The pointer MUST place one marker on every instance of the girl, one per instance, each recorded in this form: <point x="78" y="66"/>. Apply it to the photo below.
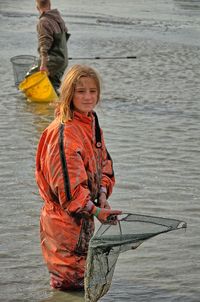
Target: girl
<point x="75" y="177"/>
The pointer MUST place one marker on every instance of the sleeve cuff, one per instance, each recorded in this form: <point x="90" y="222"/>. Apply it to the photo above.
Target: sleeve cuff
<point x="89" y="206"/>
<point x="103" y="190"/>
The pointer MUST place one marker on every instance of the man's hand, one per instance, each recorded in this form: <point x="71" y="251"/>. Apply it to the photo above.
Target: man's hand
<point x="43" y="65"/>
<point x="44" y="69"/>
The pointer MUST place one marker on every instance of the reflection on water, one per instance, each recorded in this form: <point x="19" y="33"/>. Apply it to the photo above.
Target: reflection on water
<point x="43" y="114"/>
<point x="65" y="297"/>
<point x="41" y="109"/>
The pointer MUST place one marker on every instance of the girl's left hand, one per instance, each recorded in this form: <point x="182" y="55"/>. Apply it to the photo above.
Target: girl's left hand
<point x="103" y="201"/>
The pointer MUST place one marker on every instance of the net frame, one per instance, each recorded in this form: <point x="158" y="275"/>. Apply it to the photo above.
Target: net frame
<point x="111" y="240"/>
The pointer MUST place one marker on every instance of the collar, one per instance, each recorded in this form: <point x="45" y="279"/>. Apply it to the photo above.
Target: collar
<point x="44" y="12"/>
<point x="82" y="117"/>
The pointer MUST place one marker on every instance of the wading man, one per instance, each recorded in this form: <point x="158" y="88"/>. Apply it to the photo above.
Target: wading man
<point x="52" y="42"/>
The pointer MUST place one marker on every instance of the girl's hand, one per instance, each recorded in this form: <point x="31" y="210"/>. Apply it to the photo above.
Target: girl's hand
<point x="103" y="201"/>
<point x="107" y="216"/>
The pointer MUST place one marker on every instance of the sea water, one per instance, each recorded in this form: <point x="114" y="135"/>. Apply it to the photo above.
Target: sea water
<point x="150" y="114"/>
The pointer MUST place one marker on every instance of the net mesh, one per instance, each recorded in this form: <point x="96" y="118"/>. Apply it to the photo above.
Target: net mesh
<point x="21" y="65"/>
<point x="111" y="240"/>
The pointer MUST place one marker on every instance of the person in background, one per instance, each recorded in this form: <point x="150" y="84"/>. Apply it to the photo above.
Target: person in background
<point x="74" y="173"/>
<point x="52" y="42"/>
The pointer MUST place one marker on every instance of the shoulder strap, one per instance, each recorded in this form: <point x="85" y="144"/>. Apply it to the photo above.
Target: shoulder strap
<point x="97" y="132"/>
<point x="64" y="163"/>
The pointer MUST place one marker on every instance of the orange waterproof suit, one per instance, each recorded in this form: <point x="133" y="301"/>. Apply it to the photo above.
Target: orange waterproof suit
<point x="72" y="163"/>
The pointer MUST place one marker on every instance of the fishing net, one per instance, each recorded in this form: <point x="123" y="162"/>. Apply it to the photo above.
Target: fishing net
<point x="21" y="65"/>
<point x="111" y="240"/>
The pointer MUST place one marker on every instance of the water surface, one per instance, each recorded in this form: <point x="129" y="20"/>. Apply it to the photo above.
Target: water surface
<point x="150" y="116"/>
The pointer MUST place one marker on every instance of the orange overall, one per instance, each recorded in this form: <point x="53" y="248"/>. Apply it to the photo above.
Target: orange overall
<point x="72" y="163"/>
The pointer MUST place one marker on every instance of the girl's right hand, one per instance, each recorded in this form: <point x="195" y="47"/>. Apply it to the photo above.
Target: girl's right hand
<point x="106" y="215"/>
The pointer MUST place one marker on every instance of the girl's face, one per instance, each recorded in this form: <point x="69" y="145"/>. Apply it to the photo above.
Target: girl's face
<point x="85" y="95"/>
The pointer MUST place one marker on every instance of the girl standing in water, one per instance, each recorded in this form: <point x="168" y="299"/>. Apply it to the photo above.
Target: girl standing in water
<point x="74" y="173"/>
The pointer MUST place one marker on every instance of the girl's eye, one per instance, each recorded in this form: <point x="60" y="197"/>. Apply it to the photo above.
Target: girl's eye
<point x="83" y="91"/>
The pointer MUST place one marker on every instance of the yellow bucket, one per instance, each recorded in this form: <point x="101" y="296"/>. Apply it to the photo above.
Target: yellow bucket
<point x="38" y="88"/>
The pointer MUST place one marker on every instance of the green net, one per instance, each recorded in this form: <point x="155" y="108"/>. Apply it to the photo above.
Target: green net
<point x="111" y="240"/>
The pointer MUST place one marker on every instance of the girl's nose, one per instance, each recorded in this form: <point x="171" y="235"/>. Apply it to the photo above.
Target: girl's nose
<point x="88" y="94"/>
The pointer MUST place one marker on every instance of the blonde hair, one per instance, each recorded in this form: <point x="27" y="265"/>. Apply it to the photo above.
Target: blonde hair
<point x="43" y="3"/>
<point x="67" y="89"/>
